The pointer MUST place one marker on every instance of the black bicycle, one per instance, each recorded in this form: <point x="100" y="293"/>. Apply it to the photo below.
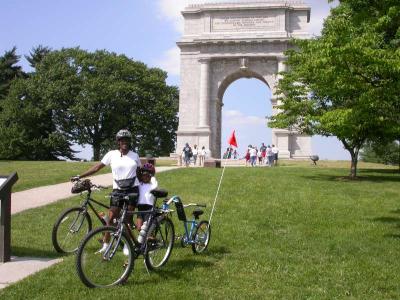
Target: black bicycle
<point x="106" y="255"/>
<point x="74" y="223"/>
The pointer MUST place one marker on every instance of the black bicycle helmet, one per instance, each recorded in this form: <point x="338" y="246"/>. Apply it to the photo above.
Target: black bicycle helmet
<point x="123" y="133"/>
<point x="148" y="167"/>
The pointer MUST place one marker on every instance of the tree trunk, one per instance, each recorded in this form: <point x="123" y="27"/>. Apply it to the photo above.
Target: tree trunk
<point x="96" y="152"/>
<point x="354" y="157"/>
<point x="354" y="161"/>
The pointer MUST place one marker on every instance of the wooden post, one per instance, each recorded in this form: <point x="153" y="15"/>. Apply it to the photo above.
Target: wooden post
<point x="6" y="184"/>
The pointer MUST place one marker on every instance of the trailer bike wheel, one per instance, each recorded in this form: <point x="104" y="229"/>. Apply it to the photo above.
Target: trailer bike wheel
<point x="201" y="237"/>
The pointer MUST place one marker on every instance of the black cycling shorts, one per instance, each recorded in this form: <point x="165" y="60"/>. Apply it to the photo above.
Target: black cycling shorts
<point x="143" y="207"/>
<point x="116" y="197"/>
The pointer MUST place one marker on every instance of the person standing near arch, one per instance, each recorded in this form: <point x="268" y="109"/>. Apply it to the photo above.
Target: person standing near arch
<point x="202" y="156"/>
<point x="275" y="151"/>
<point x="187" y="154"/>
<point x="195" y="153"/>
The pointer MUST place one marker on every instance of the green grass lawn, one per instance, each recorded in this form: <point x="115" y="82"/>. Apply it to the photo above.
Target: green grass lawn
<point x="292" y="232"/>
<point x="40" y="173"/>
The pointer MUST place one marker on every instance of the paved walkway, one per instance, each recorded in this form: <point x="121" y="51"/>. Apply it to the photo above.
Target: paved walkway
<point x="44" y="195"/>
<point x="21" y="267"/>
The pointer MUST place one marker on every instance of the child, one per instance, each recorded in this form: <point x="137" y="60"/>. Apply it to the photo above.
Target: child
<point x="146" y="200"/>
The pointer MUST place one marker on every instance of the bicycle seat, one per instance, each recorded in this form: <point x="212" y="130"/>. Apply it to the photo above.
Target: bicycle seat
<point x="159" y="193"/>
<point x="197" y="212"/>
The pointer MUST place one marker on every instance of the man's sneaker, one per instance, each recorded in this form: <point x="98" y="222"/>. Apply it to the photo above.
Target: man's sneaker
<point x="126" y="250"/>
<point x="103" y="249"/>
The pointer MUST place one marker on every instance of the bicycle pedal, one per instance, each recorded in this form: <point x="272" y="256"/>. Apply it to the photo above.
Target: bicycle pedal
<point x="178" y="237"/>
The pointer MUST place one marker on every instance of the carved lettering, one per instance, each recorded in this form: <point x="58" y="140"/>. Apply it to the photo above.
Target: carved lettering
<point x="250" y="23"/>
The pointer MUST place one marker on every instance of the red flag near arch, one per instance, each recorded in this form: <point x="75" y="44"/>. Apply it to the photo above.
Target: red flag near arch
<point x="232" y="140"/>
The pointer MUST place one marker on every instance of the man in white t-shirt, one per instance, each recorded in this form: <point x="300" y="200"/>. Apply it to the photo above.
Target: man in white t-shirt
<point x="124" y="164"/>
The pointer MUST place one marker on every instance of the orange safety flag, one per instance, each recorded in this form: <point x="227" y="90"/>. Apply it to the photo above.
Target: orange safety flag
<point x="232" y="140"/>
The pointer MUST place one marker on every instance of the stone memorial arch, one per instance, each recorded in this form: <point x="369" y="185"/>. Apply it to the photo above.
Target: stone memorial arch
<point x="223" y="42"/>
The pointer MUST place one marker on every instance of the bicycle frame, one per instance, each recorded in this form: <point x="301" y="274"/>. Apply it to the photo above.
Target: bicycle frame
<point x="188" y="225"/>
<point x="189" y="233"/>
<point x="87" y="203"/>
<point x="123" y="225"/>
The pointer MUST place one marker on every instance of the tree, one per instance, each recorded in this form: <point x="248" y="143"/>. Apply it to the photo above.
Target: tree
<point x="36" y="55"/>
<point x="93" y="95"/>
<point x="388" y="153"/>
<point x="344" y="83"/>
<point x="26" y="127"/>
<point x="9" y="71"/>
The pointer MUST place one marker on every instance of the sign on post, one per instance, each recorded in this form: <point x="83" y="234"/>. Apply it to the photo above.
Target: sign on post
<point x="6" y="183"/>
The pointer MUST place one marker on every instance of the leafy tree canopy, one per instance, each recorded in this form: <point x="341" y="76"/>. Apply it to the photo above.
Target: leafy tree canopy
<point x="9" y="70"/>
<point x="346" y="82"/>
<point x="93" y="95"/>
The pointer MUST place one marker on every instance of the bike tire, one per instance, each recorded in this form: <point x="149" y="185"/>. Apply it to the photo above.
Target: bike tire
<point x="98" y="270"/>
<point x="160" y="241"/>
<point x="70" y="228"/>
<point x="201" y="237"/>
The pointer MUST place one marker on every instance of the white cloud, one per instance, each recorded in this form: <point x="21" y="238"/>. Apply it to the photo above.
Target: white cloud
<point x="235" y="118"/>
<point x="170" y="61"/>
<point x="171" y="9"/>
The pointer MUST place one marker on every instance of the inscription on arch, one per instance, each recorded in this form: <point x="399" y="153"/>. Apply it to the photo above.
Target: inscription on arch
<point x="243" y="23"/>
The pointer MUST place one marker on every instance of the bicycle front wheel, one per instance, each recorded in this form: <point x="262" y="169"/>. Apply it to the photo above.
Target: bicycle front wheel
<point x="160" y="241"/>
<point x="201" y="237"/>
<point x="70" y="228"/>
<point x="99" y="265"/>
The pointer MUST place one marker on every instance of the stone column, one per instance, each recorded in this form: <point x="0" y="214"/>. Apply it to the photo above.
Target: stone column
<point x="204" y="96"/>
<point x="281" y="137"/>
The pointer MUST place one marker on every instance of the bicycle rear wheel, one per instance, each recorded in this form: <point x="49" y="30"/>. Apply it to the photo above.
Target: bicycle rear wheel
<point x="70" y="228"/>
<point x="160" y="241"/>
<point x="105" y="268"/>
<point x="201" y="237"/>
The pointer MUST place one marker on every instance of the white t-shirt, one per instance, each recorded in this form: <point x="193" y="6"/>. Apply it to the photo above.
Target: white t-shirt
<point x="275" y="150"/>
<point x="253" y="152"/>
<point x="145" y="197"/>
<point x="122" y="167"/>
<point x="195" y="151"/>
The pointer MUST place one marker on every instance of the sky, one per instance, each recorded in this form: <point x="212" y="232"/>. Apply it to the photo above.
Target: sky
<point x="146" y="30"/>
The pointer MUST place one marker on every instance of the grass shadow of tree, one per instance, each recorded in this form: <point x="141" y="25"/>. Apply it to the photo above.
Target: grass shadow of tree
<point x="395" y="221"/>
<point x="363" y="178"/>
<point x="33" y="252"/>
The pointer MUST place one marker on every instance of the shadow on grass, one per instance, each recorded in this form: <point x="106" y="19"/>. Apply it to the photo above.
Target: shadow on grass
<point x="390" y="220"/>
<point x="33" y="252"/>
<point x="392" y="236"/>
<point x="182" y="267"/>
<point x="174" y="270"/>
<point x="363" y="178"/>
<point x="381" y="171"/>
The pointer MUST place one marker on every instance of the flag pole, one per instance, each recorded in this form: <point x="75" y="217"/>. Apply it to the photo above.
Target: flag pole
<point x="216" y="195"/>
<point x="231" y="142"/>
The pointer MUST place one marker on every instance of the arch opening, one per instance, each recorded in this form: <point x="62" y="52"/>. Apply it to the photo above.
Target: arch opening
<point x="246" y="102"/>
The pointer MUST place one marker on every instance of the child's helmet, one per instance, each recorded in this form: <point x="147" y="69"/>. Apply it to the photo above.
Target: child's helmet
<point x="149" y="168"/>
